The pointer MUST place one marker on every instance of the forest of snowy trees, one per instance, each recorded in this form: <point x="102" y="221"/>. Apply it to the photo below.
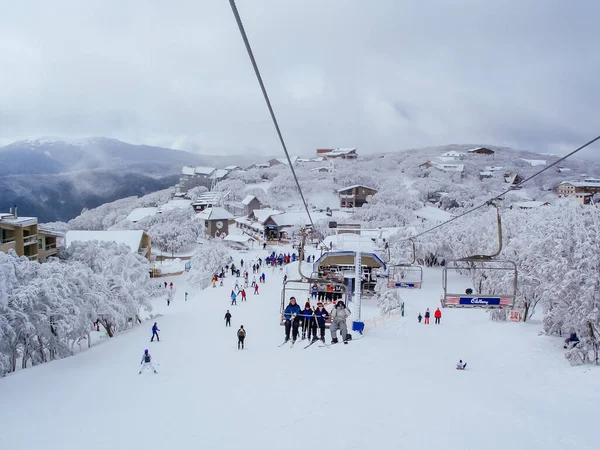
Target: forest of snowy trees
<point x="47" y="309"/>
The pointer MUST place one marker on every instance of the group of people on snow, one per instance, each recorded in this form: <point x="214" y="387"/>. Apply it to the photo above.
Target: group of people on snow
<point x="437" y="315"/>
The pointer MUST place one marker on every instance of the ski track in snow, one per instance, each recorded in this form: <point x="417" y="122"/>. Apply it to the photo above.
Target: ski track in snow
<point x="395" y="389"/>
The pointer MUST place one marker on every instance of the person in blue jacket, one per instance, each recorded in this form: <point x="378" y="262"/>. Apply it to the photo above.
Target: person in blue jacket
<point x="292" y="319"/>
<point x="321" y="315"/>
<point x="155" y="331"/>
<point x="308" y="322"/>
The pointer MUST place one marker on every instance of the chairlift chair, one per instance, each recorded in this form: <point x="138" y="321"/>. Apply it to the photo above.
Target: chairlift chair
<point x="408" y="276"/>
<point x="452" y="299"/>
<point x="301" y="287"/>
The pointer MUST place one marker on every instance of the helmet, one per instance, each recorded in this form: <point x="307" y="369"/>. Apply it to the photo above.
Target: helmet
<point x="146" y="351"/>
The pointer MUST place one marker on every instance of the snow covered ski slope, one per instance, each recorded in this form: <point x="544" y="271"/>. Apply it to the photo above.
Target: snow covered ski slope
<point x="395" y="389"/>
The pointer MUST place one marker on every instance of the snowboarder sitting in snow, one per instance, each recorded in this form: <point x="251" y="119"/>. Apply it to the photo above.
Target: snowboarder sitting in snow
<point x="572" y="339"/>
<point x="469" y="291"/>
<point x="338" y="322"/>
<point x="155" y="331"/>
<point x="227" y="319"/>
<point x="460" y="365"/>
<point x="241" y="334"/>
<point x="292" y="319"/>
<point x="419" y="317"/>
<point x="147" y="362"/>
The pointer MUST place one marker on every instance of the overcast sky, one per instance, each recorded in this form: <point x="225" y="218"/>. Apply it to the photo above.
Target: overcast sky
<point x="379" y="75"/>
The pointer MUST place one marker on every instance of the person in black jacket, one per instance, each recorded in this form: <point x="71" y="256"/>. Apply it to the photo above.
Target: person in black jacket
<point x="227" y="319"/>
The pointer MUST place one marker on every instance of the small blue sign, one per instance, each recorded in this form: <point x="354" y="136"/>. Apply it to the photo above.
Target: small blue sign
<point x="405" y="285"/>
<point x="495" y="301"/>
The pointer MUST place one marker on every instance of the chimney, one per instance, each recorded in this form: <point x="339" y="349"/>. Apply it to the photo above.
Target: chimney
<point x="10" y="210"/>
<point x="16" y="216"/>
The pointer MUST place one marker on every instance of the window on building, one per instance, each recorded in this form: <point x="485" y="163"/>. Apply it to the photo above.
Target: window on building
<point x="40" y="244"/>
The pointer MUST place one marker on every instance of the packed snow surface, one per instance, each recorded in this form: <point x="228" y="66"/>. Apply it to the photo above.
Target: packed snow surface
<point x="395" y="389"/>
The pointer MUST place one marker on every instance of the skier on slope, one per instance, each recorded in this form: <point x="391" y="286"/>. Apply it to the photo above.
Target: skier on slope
<point x="256" y="289"/>
<point x="308" y="322"/>
<point x="419" y="317"/>
<point x="243" y="292"/>
<point x="233" y="298"/>
<point x="147" y="362"/>
<point x="292" y="319"/>
<point x="338" y="322"/>
<point x="460" y="365"/>
<point x="241" y="334"/>
<point x="227" y="319"/>
<point x="155" y="331"/>
<point x="427" y="315"/>
<point x="321" y="316"/>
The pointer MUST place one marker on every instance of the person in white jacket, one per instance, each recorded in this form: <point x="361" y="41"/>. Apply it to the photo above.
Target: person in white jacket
<point x="339" y="314"/>
<point x="147" y="362"/>
<point x="460" y="365"/>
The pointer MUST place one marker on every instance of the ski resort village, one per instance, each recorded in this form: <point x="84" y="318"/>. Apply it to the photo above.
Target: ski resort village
<point x="316" y="225"/>
<point x="221" y="313"/>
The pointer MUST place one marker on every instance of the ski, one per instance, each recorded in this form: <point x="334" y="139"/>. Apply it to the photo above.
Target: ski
<point x="292" y="346"/>
<point x="284" y="342"/>
<point x="311" y="343"/>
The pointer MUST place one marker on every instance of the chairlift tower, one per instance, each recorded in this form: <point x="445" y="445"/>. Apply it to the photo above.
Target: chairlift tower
<point x="357" y="324"/>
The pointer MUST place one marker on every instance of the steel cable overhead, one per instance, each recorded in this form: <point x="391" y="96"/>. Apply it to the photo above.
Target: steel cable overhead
<point x="266" y="96"/>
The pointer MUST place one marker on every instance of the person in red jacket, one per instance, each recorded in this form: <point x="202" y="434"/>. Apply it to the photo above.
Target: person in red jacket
<point x="437" y="315"/>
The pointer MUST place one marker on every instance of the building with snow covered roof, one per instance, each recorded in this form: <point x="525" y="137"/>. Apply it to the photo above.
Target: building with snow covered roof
<point x="341" y="153"/>
<point x="216" y="221"/>
<point x="137" y="240"/>
<point x="582" y="191"/>
<point x="432" y="215"/>
<point x="141" y="213"/>
<point x="192" y="176"/>
<point x="355" y="196"/>
<point x="455" y="155"/>
<point x="207" y="200"/>
<point x="480" y="151"/>
<point x="232" y="168"/>
<point x="19" y="234"/>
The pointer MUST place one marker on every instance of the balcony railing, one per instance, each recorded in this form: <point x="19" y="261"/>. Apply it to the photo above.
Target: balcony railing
<point x="50" y="247"/>
<point x="31" y="239"/>
<point x="32" y="257"/>
<point x="7" y="240"/>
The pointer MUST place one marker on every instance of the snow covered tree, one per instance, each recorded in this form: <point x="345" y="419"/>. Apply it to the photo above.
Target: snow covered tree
<point x="208" y="260"/>
<point x="389" y="301"/>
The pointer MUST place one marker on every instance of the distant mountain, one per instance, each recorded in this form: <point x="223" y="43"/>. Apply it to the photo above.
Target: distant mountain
<point x="54" y="179"/>
<point x="57" y="156"/>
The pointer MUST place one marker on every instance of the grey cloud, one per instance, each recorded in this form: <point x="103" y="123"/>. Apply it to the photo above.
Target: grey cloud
<point x="381" y="76"/>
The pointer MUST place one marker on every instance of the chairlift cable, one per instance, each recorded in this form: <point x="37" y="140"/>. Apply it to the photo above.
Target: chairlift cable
<point x="506" y="191"/>
<point x="266" y="97"/>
